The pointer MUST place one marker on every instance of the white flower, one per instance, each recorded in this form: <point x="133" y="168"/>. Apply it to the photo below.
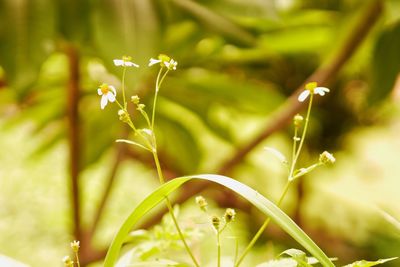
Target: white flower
<point x="126" y="62"/>
<point x="311" y="88"/>
<point x="165" y="61"/>
<point x="107" y="93"/>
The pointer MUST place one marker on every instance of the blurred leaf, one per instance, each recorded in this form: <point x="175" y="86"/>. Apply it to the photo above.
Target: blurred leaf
<point x="364" y="263"/>
<point x="26" y="38"/>
<point x="179" y="144"/>
<point x="74" y="18"/>
<point x="385" y="63"/>
<point x="209" y="93"/>
<point x="216" y="22"/>
<point x="263" y="204"/>
<point x="299" y="256"/>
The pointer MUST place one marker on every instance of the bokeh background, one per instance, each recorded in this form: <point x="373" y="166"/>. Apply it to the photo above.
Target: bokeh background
<point x="62" y="176"/>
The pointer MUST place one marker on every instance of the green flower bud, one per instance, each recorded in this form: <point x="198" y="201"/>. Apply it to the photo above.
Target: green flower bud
<point x="216" y="222"/>
<point x="75" y="246"/>
<point x="202" y="203"/>
<point x="68" y="262"/>
<point x="229" y="215"/>
<point x="123" y="115"/>
<point x="141" y="106"/>
<point x="298" y="120"/>
<point x="326" y="158"/>
<point x="135" y="99"/>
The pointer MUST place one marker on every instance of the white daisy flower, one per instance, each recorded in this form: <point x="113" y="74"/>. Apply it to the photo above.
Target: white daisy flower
<point x="107" y="93"/>
<point x="311" y="88"/>
<point x="165" y="61"/>
<point x="126" y="62"/>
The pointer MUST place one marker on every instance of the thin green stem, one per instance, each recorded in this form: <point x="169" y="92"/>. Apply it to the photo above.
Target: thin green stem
<point x="303" y="136"/>
<point x="295" y="156"/>
<point x="77" y="259"/>
<point x="170" y="209"/>
<point x="123" y="88"/>
<point x="158" y="85"/>
<point x="296" y="129"/>
<point x="262" y="228"/>
<point x="218" y="249"/>
<point x="236" y="250"/>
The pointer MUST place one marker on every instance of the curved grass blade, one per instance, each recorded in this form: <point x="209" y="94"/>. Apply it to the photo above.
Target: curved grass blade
<point x="263" y="204"/>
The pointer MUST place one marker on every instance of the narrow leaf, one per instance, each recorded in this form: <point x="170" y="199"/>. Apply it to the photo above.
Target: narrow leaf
<point x="364" y="263"/>
<point x="131" y="143"/>
<point x="263" y="204"/>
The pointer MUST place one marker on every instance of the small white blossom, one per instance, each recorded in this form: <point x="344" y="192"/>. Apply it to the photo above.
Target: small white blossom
<point x="126" y="62"/>
<point x="107" y="93"/>
<point x="311" y="88"/>
<point x="165" y="61"/>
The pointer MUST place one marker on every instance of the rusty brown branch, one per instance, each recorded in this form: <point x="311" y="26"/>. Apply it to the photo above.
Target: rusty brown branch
<point x="73" y="136"/>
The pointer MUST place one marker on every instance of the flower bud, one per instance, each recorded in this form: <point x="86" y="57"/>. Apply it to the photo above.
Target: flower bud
<point x="123" y="115"/>
<point x="140" y="106"/>
<point x="216" y="221"/>
<point x="202" y="203"/>
<point x="68" y="262"/>
<point x="135" y="99"/>
<point x="326" y="158"/>
<point x="298" y="120"/>
<point x="75" y="246"/>
<point x="229" y="215"/>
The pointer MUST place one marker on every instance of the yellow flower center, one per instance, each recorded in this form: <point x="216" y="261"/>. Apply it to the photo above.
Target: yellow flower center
<point x="104" y="88"/>
<point x="126" y="58"/>
<point x="311" y="86"/>
<point x="164" y="58"/>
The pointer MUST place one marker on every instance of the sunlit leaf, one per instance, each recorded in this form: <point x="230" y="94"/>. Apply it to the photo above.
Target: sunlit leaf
<point x="263" y="204"/>
<point x="365" y="263"/>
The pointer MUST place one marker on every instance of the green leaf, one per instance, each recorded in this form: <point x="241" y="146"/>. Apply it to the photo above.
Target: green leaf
<point x="285" y="262"/>
<point x="385" y="63"/>
<point x="299" y="256"/>
<point x="365" y="263"/>
<point x="263" y="204"/>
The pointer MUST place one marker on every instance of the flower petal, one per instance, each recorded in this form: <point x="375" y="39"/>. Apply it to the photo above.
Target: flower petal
<point x="321" y="91"/>
<point x="303" y="96"/>
<point x="99" y="91"/>
<point x="118" y="62"/>
<point x="153" y="61"/>
<point x="113" y="89"/>
<point x="110" y="97"/>
<point x="103" y="101"/>
<point x="131" y="64"/>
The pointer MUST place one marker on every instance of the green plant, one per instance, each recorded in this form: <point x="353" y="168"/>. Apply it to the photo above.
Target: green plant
<point x="146" y="139"/>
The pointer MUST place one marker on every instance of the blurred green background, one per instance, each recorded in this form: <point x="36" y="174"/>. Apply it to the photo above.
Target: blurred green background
<point x="239" y="61"/>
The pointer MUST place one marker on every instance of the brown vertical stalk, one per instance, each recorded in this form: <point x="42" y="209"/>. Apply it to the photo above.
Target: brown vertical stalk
<point x="73" y="136"/>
